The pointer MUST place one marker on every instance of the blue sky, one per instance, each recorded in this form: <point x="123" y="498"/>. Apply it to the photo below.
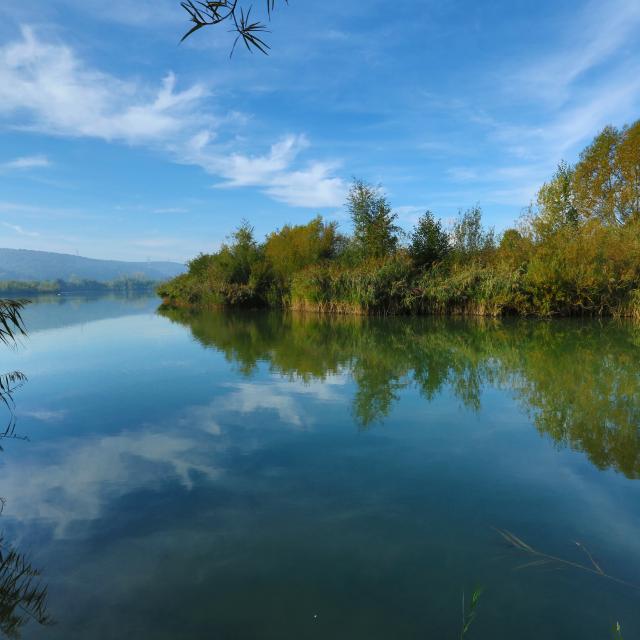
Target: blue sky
<point x="115" y="142"/>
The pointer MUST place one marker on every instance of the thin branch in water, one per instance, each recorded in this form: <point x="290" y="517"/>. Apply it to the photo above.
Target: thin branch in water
<point x="518" y="544"/>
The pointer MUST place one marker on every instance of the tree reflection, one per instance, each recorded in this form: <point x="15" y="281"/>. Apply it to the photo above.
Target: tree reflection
<point x="579" y="381"/>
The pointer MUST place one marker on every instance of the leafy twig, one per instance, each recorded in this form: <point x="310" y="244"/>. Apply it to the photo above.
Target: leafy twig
<point x="213" y="12"/>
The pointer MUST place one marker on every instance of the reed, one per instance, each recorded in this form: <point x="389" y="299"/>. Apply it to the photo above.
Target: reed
<point x="542" y="558"/>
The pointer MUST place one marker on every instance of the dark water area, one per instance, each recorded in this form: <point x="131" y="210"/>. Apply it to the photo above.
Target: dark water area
<point x="251" y="475"/>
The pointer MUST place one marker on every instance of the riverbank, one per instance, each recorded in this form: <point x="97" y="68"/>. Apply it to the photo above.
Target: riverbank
<point x="575" y="252"/>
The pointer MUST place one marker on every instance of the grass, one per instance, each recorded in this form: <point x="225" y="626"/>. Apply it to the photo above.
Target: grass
<point x="469" y="615"/>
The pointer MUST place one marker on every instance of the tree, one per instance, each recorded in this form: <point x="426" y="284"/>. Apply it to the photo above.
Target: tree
<point x="429" y="241"/>
<point x="627" y="162"/>
<point x="556" y="203"/>
<point x="234" y="13"/>
<point x="235" y="261"/>
<point x="596" y="179"/>
<point x="374" y="231"/>
<point x="468" y="237"/>
<point x="296" y="246"/>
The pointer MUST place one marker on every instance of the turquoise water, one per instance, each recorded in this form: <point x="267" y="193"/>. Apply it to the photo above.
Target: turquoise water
<point x="258" y="475"/>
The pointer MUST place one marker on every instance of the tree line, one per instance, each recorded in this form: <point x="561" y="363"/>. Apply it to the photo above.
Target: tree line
<point x="576" y="251"/>
<point x="26" y="287"/>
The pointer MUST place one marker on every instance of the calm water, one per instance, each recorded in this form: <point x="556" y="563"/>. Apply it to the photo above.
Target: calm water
<point x="256" y="475"/>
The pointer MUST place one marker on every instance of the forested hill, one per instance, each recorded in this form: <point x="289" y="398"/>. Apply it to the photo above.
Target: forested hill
<point x="27" y="265"/>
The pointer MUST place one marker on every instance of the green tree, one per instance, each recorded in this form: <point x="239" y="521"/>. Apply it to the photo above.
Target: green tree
<point x="235" y="261"/>
<point x="596" y="179"/>
<point x="556" y="203"/>
<point x="627" y="162"/>
<point x="429" y="241"/>
<point x="296" y="246"/>
<point x="374" y="229"/>
<point x="468" y="236"/>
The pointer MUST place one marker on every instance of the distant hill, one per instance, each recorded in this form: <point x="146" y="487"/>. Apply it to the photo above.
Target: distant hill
<point x="27" y="265"/>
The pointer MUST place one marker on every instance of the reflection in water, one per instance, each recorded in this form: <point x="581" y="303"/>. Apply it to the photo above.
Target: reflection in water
<point x="579" y="382"/>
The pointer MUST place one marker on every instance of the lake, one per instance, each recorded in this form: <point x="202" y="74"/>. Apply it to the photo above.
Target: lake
<point x="249" y="475"/>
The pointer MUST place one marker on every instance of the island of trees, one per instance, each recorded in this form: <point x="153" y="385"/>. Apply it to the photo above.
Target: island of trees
<point x="575" y="252"/>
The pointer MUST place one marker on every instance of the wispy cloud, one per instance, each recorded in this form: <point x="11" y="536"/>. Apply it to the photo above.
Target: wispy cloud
<point x="16" y="228"/>
<point x="62" y="96"/>
<point x="595" y="35"/>
<point x="587" y="77"/>
<point x="312" y="185"/>
<point x="25" y="162"/>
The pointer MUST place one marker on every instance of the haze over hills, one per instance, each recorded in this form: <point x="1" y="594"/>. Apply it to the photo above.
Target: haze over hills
<point x="28" y="265"/>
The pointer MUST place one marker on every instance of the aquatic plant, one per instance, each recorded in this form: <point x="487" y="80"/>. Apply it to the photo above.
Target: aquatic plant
<point x="542" y="558"/>
<point x="469" y="615"/>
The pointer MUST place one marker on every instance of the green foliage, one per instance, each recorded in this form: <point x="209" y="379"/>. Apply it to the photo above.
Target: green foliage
<point x="556" y="203"/>
<point x="293" y="248"/>
<point x="429" y="241"/>
<point x="468" y="236"/>
<point x="576" y="253"/>
<point x="596" y="412"/>
<point x="375" y="233"/>
<point x="606" y="180"/>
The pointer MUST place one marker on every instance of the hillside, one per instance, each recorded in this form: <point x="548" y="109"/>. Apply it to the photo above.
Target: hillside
<point x="27" y="265"/>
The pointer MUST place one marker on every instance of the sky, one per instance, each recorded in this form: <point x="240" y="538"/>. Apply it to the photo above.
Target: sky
<point x="118" y="142"/>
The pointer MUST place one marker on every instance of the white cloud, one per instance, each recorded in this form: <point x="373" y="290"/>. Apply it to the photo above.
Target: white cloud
<point x="25" y="162"/>
<point x="312" y="186"/>
<point x="21" y="231"/>
<point x="62" y="96"/>
<point x="45" y="415"/>
<point x="45" y="87"/>
<point x="79" y="478"/>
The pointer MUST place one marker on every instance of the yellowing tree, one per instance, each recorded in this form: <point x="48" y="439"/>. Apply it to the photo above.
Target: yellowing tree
<point x="296" y="246"/>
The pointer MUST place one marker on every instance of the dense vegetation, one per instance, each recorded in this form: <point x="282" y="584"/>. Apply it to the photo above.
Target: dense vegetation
<point x="575" y="252"/>
<point x="62" y="286"/>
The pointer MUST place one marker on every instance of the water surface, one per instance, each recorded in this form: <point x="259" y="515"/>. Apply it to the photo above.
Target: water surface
<point x="263" y="475"/>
